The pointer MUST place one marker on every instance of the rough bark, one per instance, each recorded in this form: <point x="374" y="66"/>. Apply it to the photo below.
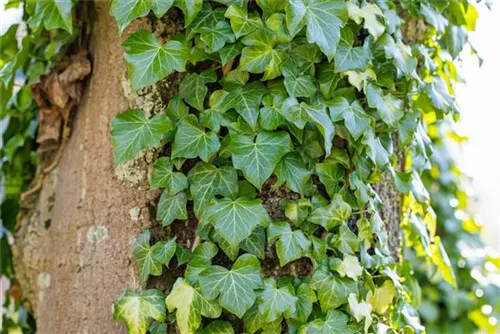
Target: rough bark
<point x="73" y="253"/>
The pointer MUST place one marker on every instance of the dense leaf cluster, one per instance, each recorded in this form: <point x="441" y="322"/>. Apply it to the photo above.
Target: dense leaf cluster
<point x="323" y="98"/>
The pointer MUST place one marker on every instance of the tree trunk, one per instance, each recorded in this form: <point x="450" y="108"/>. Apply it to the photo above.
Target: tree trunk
<point x="73" y="251"/>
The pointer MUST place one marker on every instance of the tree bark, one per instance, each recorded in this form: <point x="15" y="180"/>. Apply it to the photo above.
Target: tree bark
<point x="73" y="251"/>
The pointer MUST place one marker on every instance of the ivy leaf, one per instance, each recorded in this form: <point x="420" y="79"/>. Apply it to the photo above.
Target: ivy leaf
<point x="330" y="174"/>
<point x="305" y="299"/>
<point x="258" y="159"/>
<point x="158" y="328"/>
<point x="131" y="133"/>
<point x="190" y="305"/>
<point x="383" y="297"/>
<point x="234" y="287"/>
<point x="230" y="51"/>
<point x="323" y="18"/>
<point x="235" y="220"/>
<point x="375" y="150"/>
<point x="190" y="9"/>
<point x="219" y="327"/>
<point x="165" y="177"/>
<point x="260" y="55"/>
<point x="433" y="17"/>
<point x="320" y="118"/>
<point x="350" y="267"/>
<point x="291" y="245"/>
<point x="334" y="323"/>
<point x="171" y="207"/>
<point x="125" y="11"/>
<point x="333" y="291"/>
<point x="241" y="23"/>
<point x="138" y="309"/>
<point x="332" y="215"/>
<point x="193" y="88"/>
<point x="300" y="86"/>
<point x="355" y="118"/>
<point x="270" y="6"/>
<point x="164" y="251"/>
<point x="275" y="302"/>
<point x="292" y="170"/>
<point x="245" y="100"/>
<point x="270" y="117"/>
<point x="346" y="241"/>
<point x="361" y="310"/>
<point x="207" y="181"/>
<point x="176" y="109"/>
<point x="217" y="36"/>
<point x="296" y="112"/>
<point x="143" y="255"/>
<point x="400" y="53"/>
<point x="349" y="57"/>
<point x="327" y="79"/>
<point x="455" y="38"/>
<point x="53" y="14"/>
<point x="388" y="107"/>
<point x="371" y="14"/>
<point x="191" y="140"/>
<point x="149" y="61"/>
<point x="256" y="243"/>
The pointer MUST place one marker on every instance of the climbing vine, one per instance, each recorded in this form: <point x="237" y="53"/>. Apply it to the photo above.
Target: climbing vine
<point x="305" y="95"/>
<point x="318" y="104"/>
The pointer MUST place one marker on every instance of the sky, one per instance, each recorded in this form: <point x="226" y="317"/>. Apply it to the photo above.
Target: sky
<point x="478" y="100"/>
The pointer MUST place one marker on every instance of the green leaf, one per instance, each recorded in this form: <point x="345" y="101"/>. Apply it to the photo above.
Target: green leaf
<point x="229" y="52"/>
<point x="291" y="245"/>
<point x="305" y="299"/>
<point x="300" y="86"/>
<point x="331" y="215"/>
<point x="191" y="140"/>
<point x="171" y="207"/>
<point x="149" y="61"/>
<point x="334" y="323"/>
<point x="52" y="14"/>
<point x="245" y="100"/>
<point x="176" y="109"/>
<point x="323" y="18"/>
<point x="260" y="56"/>
<point x="165" y="177"/>
<point x="242" y="23"/>
<point x="219" y="327"/>
<point x="347" y="242"/>
<point x="292" y="170"/>
<point x="355" y="118"/>
<point x="258" y="159"/>
<point x="125" y="11"/>
<point x="216" y="37"/>
<point x="207" y="181"/>
<point x="235" y="220"/>
<point x="190" y="8"/>
<point x="193" y="88"/>
<point x="256" y="243"/>
<point x="131" y="133"/>
<point x="275" y="302"/>
<point x="190" y="305"/>
<point x="138" y="309"/>
<point x="271" y="6"/>
<point x="143" y="255"/>
<point x="318" y="115"/>
<point x="400" y="53"/>
<point x="442" y="261"/>
<point x="349" y="57"/>
<point x="388" y="107"/>
<point x="372" y="16"/>
<point x="333" y="291"/>
<point x="455" y="38"/>
<point x="164" y="251"/>
<point x="270" y="117"/>
<point x="158" y="328"/>
<point x="375" y="150"/>
<point x="234" y="287"/>
<point x="327" y="79"/>
<point x="296" y="112"/>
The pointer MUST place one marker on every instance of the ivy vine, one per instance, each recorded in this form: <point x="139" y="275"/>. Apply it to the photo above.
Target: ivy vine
<point x="321" y="101"/>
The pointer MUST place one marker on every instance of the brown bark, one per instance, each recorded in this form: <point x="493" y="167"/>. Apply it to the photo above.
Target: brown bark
<point x="73" y="253"/>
